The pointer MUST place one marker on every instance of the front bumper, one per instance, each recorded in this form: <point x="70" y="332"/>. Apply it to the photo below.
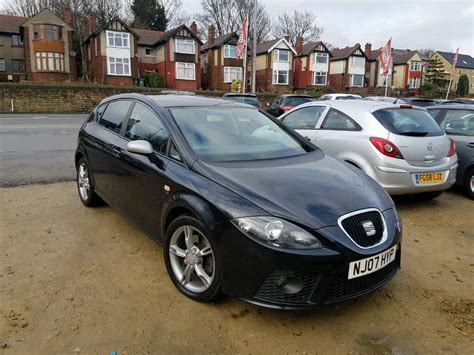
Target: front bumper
<point x="254" y="273"/>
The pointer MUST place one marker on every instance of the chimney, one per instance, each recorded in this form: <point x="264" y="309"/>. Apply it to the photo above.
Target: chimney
<point x="211" y="35"/>
<point x="194" y="28"/>
<point x="368" y="49"/>
<point x="299" y="45"/>
<point x="90" y="23"/>
<point x="67" y="16"/>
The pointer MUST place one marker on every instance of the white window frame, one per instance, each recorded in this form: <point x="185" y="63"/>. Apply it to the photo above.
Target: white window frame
<point x="228" y="74"/>
<point x="414" y="83"/>
<point x="227" y="48"/>
<point x="2" y="64"/>
<point x="353" y="60"/>
<point x="276" y="72"/>
<point x="322" y="55"/>
<point x="415" y="66"/>
<point x="352" y="80"/>
<point x="112" y="63"/>
<point x="186" y="42"/>
<point x="115" y="35"/>
<point x="277" y="55"/>
<point x="152" y="51"/>
<point x="322" y="73"/>
<point x="185" y="66"/>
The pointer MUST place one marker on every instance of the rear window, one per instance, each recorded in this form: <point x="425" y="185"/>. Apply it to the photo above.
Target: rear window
<point x="348" y="98"/>
<point x="408" y="122"/>
<point x="295" y="101"/>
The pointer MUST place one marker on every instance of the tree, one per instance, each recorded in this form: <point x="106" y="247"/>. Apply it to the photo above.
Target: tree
<point x="463" y="85"/>
<point x="228" y="15"/>
<point x="106" y="10"/>
<point x="435" y="71"/>
<point x="299" y="24"/>
<point x="149" y="14"/>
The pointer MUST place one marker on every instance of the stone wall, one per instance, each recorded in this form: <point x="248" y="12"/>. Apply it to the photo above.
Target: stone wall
<point x="62" y="98"/>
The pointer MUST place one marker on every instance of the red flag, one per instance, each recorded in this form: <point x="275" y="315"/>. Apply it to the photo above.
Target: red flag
<point x="242" y="40"/>
<point x="455" y="61"/>
<point x="385" y="57"/>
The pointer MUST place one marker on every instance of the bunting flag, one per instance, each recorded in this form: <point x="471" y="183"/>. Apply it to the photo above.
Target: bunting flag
<point x="455" y="61"/>
<point x="385" y="57"/>
<point x="242" y="40"/>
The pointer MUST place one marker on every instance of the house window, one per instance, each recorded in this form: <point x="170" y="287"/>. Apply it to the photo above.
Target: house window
<point x="117" y="39"/>
<point x="230" y="51"/>
<point x="119" y="66"/>
<point x="319" y="78"/>
<point x="358" y="62"/>
<point x="357" y="80"/>
<point x="48" y="32"/>
<point x="414" y="83"/>
<point x="321" y="58"/>
<point x="18" y="65"/>
<point x="149" y="52"/>
<point x="16" y="40"/>
<point x="282" y="55"/>
<point x="185" y="46"/>
<point x="232" y="73"/>
<point x="49" y="61"/>
<point x="280" y="77"/>
<point x="185" y="71"/>
<point x="415" y="66"/>
<point x="2" y="64"/>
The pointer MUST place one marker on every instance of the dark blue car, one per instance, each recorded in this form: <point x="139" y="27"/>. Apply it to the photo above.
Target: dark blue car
<point x="243" y="205"/>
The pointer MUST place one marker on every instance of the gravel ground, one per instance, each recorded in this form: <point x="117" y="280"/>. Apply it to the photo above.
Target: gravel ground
<point x="78" y="280"/>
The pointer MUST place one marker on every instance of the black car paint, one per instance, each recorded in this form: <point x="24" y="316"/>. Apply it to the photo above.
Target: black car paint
<point x="275" y="107"/>
<point x="311" y="190"/>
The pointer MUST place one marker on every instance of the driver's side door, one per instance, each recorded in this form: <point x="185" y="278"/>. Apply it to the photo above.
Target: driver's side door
<point x="139" y="180"/>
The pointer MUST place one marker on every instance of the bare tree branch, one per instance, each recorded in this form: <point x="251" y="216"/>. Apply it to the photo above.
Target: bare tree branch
<point x="299" y="24"/>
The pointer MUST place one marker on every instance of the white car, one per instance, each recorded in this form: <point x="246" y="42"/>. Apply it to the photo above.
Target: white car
<point x="330" y="97"/>
<point x="400" y="146"/>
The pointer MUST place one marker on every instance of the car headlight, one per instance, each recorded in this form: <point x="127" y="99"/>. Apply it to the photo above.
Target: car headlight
<point x="277" y="232"/>
<point x="398" y="220"/>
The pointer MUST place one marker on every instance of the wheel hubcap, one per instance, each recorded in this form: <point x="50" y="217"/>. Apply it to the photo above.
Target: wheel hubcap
<point x="83" y="181"/>
<point x="472" y="183"/>
<point x="192" y="259"/>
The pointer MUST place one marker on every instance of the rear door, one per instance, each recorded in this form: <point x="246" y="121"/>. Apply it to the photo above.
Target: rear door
<point x="304" y="120"/>
<point x="419" y="138"/>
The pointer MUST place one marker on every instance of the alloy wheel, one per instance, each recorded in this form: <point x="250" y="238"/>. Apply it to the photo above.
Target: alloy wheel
<point x="83" y="181"/>
<point x="472" y="183"/>
<point x="192" y="259"/>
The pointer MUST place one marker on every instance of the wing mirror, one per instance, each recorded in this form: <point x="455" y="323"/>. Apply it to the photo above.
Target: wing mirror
<point x="140" y="147"/>
<point x="267" y="104"/>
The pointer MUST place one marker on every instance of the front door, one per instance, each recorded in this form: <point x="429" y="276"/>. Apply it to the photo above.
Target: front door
<point x="304" y="121"/>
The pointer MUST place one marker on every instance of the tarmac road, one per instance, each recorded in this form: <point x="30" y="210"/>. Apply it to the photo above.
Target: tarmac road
<point x="38" y="148"/>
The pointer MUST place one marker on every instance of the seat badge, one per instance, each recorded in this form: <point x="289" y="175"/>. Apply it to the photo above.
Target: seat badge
<point x="368" y="228"/>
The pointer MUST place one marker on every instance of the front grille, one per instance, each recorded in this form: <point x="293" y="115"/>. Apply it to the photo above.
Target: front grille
<point x="354" y="227"/>
<point x="341" y="288"/>
<point x="271" y="290"/>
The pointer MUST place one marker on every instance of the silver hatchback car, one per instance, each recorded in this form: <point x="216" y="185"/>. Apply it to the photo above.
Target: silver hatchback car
<point x="400" y="146"/>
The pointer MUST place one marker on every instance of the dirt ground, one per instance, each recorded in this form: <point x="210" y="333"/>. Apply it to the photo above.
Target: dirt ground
<point x="78" y="280"/>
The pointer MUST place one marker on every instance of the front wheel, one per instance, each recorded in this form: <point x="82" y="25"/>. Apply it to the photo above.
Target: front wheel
<point x="469" y="183"/>
<point x="191" y="260"/>
<point x="85" y="186"/>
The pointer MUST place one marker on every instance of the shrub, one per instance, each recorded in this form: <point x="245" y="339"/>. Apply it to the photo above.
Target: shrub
<point x="154" y="80"/>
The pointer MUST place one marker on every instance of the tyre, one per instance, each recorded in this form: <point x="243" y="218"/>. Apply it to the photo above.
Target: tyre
<point x="191" y="259"/>
<point x="469" y="183"/>
<point x="429" y="195"/>
<point x="85" y="186"/>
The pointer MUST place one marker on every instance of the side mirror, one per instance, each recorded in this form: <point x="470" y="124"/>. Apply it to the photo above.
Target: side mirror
<point x="140" y="147"/>
<point x="267" y="104"/>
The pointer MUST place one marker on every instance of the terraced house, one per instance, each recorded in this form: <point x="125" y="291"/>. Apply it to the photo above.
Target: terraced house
<point x="38" y="48"/>
<point x="347" y="69"/>
<point x="173" y="54"/>
<point x="219" y="63"/>
<point x="311" y="64"/>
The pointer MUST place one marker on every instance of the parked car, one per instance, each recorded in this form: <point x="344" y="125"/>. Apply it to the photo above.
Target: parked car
<point x="283" y="103"/>
<point x="385" y="99"/>
<point x="466" y="101"/>
<point x="330" y="97"/>
<point x="230" y="192"/>
<point x="250" y="99"/>
<point x="458" y="123"/>
<point x="400" y="146"/>
<point x="418" y="101"/>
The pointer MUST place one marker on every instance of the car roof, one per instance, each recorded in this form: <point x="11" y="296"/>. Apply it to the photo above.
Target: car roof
<point x="238" y="94"/>
<point x="451" y="106"/>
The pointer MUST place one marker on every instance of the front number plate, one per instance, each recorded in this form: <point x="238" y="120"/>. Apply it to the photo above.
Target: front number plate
<point x="369" y="265"/>
<point x="428" y="178"/>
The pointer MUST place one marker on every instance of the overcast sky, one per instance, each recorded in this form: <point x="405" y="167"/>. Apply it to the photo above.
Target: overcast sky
<point x="415" y="24"/>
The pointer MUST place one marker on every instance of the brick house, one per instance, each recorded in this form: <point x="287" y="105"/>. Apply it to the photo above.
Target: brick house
<point x="110" y="52"/>
<point x="219" y="63"/>
<point x="174" y="54"/>
<point x="39" y="46"/>
<point x="465" y="65"/>
<point x="311" y="64"/>
<point x="274" y="69"/>
<point x="347" y="69"/>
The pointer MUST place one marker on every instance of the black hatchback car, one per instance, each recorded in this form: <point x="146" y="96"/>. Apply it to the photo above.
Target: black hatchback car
<point x="286" y="102"/>
<point x="243" y="205"/>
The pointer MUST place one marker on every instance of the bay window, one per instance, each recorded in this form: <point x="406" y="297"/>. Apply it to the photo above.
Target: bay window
<point x="322" y="58"/>
<point x="415" y="66"/>
<point x="185" y="46"/>
<point x="358" y="62"/>
<point x="2" y="64"/>
<point x="48" y="32"/>
<point x="280" y="77"/>
<point x="185" y="71"/>
<point x="119" y="66"/>
<point x="49" y="61"/>
<point x="414" y="83"/>
<point x="281" y="55"/>
<point x="118" y="39"/>
<point x="232" y="73"/>
<point x="230" y="51"/>
<point x="319" y="78"/>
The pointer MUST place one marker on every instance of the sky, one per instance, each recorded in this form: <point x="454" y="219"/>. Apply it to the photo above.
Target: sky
<point x="414" y="24"/>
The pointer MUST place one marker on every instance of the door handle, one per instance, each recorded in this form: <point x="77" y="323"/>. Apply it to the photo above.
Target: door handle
<point x="117" y="152"/>
<point x="308" y="138"/>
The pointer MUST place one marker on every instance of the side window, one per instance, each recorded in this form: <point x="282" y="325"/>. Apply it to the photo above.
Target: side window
<point x="324" y="98"/>
<point x="459" y="122"/>
<point x="114" y="115"/>
<point x="304" y="118"/>
<point x="173" y="153"/>
<point x="338" y="121"/>
<point x="144" y="124"/>
<point x="100" y="112"/>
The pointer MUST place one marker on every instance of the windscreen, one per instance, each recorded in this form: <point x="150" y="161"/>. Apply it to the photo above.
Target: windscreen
<point x="408" y="122"/>
<point x="245" y="100"/>
<point x="295" y="101"/>
<point x="233" y="134"/>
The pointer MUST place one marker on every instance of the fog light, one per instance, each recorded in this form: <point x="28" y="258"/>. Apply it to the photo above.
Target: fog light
<point x="289" y="284"/>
